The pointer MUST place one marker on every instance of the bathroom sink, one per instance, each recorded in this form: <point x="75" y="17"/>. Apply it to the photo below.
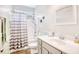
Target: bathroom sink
<point x="65" y="42"/>
<point x="57" y="40"/>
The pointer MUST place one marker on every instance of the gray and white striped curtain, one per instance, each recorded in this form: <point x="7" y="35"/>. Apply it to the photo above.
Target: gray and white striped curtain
<point x="18" y="31"/>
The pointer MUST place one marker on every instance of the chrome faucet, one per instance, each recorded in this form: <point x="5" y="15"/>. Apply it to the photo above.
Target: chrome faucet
<point x="53" y="33"/>
<point x="62" y="37"/>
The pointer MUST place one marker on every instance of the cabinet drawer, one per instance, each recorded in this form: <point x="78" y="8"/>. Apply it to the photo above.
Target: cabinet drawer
<point x="39" y="42"/>
<point x="50" y="48"/>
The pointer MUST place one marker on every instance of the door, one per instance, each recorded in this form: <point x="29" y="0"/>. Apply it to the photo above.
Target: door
<point x="2" y="32"/>
<point x="44" y="51"/>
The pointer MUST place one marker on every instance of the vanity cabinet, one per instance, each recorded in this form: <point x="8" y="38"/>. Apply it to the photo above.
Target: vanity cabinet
<point x="45" y="48"/>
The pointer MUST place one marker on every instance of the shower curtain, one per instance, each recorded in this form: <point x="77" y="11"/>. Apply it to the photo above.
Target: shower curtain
<point x="18" y="31"/>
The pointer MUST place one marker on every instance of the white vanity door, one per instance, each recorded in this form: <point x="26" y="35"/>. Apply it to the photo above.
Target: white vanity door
<point x="51" y="49"/>
<point x="39" y="50"/>
<point x="45" y="51"/>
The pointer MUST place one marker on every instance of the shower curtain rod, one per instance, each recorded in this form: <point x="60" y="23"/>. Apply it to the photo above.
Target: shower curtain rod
<point x="22" y="12"/>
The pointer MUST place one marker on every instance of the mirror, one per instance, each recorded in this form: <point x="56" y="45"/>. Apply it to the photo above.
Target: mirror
<point x="66" y="15"/>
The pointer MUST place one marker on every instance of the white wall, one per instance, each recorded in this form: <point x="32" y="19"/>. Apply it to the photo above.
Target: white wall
<point x="49" y="26"/>
<point x="39" y="12"/>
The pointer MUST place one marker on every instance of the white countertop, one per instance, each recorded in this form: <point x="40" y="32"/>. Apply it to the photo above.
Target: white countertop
<point x="66" y="46"/>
